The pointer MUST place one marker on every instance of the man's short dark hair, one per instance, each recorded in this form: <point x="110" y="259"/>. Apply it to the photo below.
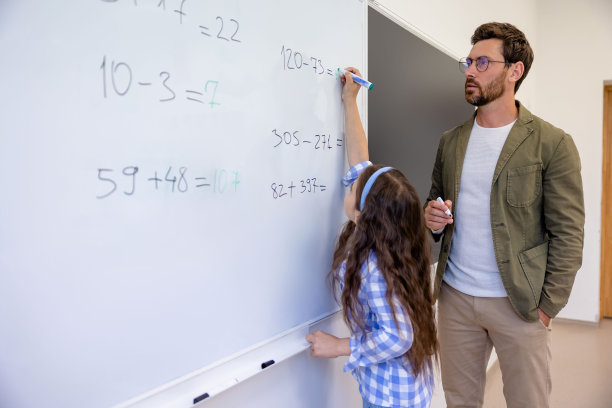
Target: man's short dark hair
<point x="516" y="47"/>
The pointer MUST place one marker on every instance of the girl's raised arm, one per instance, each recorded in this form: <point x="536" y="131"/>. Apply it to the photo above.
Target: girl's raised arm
<point x="356" y="143"/>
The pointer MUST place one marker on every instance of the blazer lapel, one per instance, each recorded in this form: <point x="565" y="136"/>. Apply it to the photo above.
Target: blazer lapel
<point x="519" y="132"/>
<point x="462" y="142"/>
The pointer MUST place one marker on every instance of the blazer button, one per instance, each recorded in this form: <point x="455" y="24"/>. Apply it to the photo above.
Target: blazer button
<point x="445" y="249"/>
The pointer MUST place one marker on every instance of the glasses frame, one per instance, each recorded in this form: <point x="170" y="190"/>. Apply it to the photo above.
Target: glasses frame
<point x="463" y="62"/>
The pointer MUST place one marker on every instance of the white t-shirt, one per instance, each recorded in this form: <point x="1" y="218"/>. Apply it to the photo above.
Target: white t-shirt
<point x="471" y="266"/>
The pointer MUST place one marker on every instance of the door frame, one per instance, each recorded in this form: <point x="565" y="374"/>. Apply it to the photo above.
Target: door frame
<point x="605" y="288"/>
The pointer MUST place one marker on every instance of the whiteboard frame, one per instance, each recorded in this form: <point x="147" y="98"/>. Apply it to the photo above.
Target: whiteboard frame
<point x="225" y="374"/>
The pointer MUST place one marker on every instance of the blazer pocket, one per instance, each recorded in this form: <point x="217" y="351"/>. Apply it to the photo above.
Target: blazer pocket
<point x="533" y="262"/>
<point x="524" y="185"/>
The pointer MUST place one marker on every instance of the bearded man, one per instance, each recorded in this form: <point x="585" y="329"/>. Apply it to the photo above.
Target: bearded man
<point x="512" y="243"/>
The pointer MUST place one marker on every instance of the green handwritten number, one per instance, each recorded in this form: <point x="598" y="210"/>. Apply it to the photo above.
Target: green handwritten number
<point x="220" y="181"/>
<point x="212" y="102"/>
<point x="236" y="181"/>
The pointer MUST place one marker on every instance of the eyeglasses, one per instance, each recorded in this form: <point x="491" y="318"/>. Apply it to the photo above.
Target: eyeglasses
<point x="482" y="63"/>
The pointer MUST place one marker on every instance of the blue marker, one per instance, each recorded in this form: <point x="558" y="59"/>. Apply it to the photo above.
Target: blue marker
<point x="357" y="79"/>
<point x="447" y="212"/>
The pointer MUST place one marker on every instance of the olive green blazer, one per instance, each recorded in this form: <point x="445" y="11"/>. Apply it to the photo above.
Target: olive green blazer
<point x="537" y="211"/>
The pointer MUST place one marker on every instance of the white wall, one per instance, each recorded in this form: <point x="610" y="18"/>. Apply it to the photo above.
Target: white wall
<point x="574" y="59"/>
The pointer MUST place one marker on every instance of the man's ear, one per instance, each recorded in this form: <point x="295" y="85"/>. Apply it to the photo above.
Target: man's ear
<point x="516" y="71"/>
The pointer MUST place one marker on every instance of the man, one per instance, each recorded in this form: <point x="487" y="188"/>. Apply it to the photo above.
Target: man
<point x="513" y="244"/>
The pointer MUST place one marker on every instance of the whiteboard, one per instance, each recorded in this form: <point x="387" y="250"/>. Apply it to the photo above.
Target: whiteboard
<point x="171" y="185"/>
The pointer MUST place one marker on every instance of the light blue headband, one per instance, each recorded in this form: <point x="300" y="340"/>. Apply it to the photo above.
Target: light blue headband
<point x="369" y="184"/>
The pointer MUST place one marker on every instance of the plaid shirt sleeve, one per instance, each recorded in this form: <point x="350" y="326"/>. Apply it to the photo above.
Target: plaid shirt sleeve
<point x="386" y="340"/>
<point x="353" y="173"/>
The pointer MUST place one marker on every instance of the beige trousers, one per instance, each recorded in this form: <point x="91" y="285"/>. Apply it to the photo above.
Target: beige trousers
<point x="468" y="328"/>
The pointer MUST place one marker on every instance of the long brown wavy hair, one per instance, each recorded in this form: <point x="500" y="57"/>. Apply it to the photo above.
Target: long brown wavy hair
<point x="392" y="226"/>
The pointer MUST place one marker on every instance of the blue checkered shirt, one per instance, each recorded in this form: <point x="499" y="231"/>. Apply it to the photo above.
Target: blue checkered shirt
<point x="353" y="173"/>
<point x="384" y="377"/>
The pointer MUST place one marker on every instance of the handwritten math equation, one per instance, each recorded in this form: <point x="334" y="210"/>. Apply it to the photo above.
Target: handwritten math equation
<point x="128" y="180"/>
<point x="295" y="60"/>
<point x="222" y="28"/>
<point x="304" y="186"/>
<point x="118" y="78"/>
<point x="293" y="138"/>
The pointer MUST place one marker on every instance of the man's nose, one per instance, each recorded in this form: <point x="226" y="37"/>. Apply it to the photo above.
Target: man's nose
<point x="471" y="70"/>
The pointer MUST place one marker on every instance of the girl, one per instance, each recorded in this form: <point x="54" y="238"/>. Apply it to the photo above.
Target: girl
<point x="381" y="276"/>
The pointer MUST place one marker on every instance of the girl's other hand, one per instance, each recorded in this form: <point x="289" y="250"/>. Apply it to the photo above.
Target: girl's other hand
<point x="327" y="346"/>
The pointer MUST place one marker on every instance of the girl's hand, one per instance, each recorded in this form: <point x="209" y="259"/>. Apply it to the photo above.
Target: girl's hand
<point x="327" y="346"/>
<point x="350" y="88"/>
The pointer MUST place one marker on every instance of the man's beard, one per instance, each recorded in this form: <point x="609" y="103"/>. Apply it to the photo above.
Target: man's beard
<point x="492" y="92"/>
